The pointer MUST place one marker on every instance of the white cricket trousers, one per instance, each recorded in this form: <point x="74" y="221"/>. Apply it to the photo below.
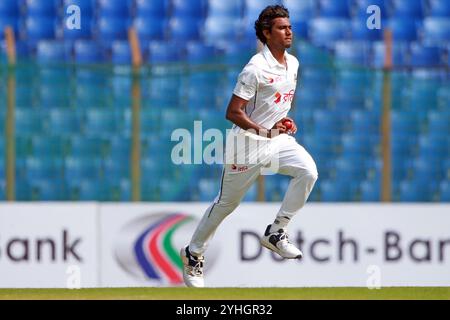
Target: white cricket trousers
<point x="244" y="162"/>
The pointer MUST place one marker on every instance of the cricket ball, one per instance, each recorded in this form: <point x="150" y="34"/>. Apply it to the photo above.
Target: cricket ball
<point x="288" y="124"/>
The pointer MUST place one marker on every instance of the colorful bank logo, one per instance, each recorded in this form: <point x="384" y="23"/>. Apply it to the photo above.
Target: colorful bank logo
<point x="149" y="247"/>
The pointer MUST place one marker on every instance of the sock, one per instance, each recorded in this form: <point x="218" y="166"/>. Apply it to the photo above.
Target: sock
<point x="279" y="223"/>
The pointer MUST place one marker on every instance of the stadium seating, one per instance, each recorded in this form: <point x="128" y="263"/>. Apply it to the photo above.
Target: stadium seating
<point x="237" y="53"/>
<point x="77" y="168"/>
<point x="300" y="10"/>
<point x="405" y="121"/>
<point x="159" y="52"/>
<point x="41" y="7"/>
<point x="313" y="56"/>
<point x="403" y="28"/>
<point x="275" y="187"/>
<point x="439" y="123"/>
<point x="350" y="169"/>
<point x="360" y="144"/>
<point x="9" y="8"/>
<point x="28" y="121"/>
<point x="85" y="146"/>
<point x="53" y="51"/>
<point x="112" y="28"/>
<point x="436" y="30"/>
<point x="85" y="190"/>
<point x="41" y="168"/>
<point x="159" y="93"/>
<point x="352" y="53"/>
<point x="86" y="7"/>
<point x="197" y="52"/>
<point x="414" y="191"/>
<point x="87" y="51"/>
<point x="326" y="31"/>
<point x="152" y="8"/>
<point x="251" y="194"/>
<point x="221" y="28"/>
<point x="208" y="189"/>
<point x="2" y="190"/>
<point x="99" y="122"/>
<point x="184" y="29"/>
<point x="363" y="120"/>
<point x="426" y="56"/>
<point x="439" y="8"/>
<point x="44" y="190"/>
<point x="254" y="7"/>
<point x="7" y="20"/>
<point x="44" y="146"/>
<point x="231" y="9"/>
<point x="119" y="147"/>
<point x="408" y="8"/>
<point x="39" y="28"/>
<point x="86" y="30"/>
<point x="2" y="142"/>
<point x="370" y="191"/>
<point x="328" y="121"/>
<point x="359" y="30"/>
<point x="114" y="8"/>
<point x="74" y="121"/>
<point x="149" y="29"/>
<point x="64" y="121"/>
<point x="120" y="52"/>
<point x="362" y="5"/>
<point x="335" y="190"/>
<point x="189" y="8"/>
<point x="445" y="191"/>
<point x="330" y="8"/>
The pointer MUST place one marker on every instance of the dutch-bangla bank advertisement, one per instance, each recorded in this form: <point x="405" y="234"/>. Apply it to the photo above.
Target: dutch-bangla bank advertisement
<point x="123" y="244"/>
<point x="343" y="245"/>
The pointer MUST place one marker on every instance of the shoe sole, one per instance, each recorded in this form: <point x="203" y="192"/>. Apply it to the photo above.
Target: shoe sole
<point x="271" y="247"/>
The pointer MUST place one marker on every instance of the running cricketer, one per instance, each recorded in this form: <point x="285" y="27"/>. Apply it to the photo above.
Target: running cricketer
<point x="258" y="109"/>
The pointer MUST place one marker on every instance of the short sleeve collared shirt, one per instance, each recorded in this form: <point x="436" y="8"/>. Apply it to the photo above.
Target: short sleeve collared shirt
<point x="268" y="86"/>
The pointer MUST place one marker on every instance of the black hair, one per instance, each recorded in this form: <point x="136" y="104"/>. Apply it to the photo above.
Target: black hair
<point x="265" y="19"/>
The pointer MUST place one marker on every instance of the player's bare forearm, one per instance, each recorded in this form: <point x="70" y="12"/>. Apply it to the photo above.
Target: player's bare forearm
<point x="241" y="119"/>
<point x="236" y="114"/>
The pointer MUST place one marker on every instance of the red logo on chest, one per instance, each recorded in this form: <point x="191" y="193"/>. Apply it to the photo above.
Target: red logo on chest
<point x="278" y="97"/>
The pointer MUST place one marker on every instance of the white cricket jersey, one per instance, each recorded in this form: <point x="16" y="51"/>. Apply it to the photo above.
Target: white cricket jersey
<point x="268" y="86"/>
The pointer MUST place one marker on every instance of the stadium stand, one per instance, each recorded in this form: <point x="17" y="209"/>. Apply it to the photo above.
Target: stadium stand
<point x="74" y="116"/>
<point x="230" y="9"/>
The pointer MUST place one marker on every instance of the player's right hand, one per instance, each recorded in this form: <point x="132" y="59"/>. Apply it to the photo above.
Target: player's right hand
<point x="277" y="129"/>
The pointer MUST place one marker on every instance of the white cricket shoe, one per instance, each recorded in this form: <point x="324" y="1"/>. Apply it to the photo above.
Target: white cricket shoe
<point x="279" y="243"/>
<point x="192" y="269"/>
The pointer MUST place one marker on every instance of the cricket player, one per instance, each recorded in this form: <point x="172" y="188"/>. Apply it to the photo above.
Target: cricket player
<point x="261" y="138"/>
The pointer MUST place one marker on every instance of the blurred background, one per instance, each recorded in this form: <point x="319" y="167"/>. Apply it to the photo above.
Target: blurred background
<point x="79" y="122"/>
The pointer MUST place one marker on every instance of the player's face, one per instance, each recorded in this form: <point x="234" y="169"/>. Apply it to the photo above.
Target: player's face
<point x="281" y="33"/>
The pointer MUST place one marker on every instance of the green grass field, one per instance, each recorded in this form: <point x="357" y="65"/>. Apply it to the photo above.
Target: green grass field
<point x="397" y="293"/>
